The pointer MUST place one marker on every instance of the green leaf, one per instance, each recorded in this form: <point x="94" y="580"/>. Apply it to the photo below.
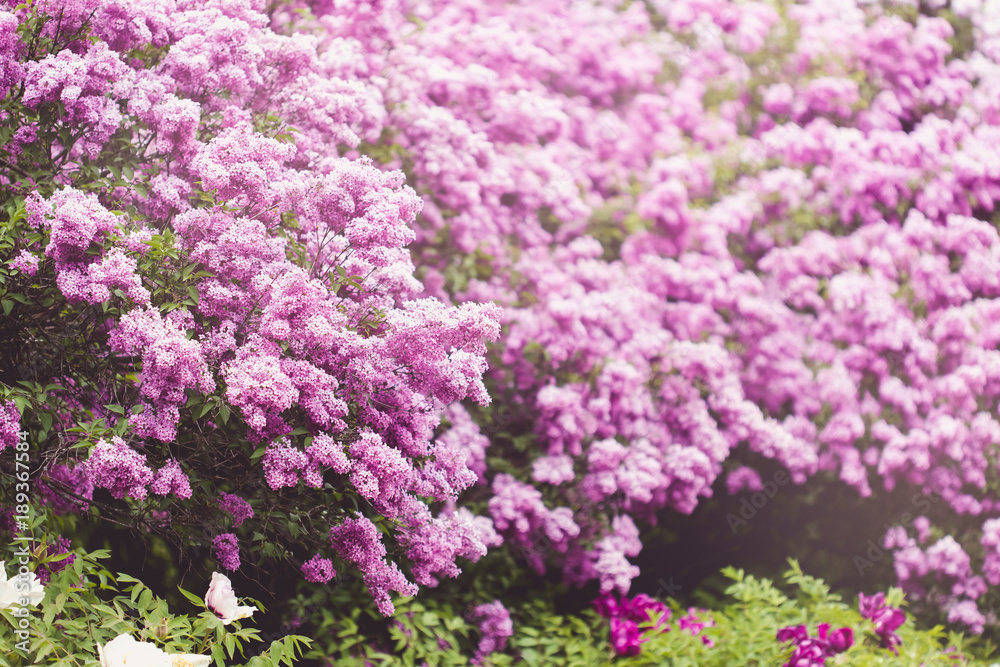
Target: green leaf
<point x="277" y="650"/>
<point x="219" y="655"/>
<point x="197" y="601"/>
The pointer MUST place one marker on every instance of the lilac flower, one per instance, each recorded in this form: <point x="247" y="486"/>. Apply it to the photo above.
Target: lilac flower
<point x="10" y="423"/>
<point x="74" y="480"/>
<point x="60" y="546"/>
<point x="119" y="469"/>
<point x="227" y="551"/>
<point x="318" y="570"/>
<point x="495" y="625"/>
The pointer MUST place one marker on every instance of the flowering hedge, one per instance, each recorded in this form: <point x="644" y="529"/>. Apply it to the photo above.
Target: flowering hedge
<point x="746" y="230"/>
<point x="266" y="265"/>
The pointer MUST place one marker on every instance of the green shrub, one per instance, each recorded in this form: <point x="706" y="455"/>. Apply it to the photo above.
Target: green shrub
<point x="85" y="605"/>
<point x="744" y="633"/>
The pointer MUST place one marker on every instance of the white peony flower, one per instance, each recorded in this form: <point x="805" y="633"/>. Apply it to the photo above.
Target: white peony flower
<point x="125" y="651"/>
<point x="19" y="590"/>
<point x="221" y="600"/>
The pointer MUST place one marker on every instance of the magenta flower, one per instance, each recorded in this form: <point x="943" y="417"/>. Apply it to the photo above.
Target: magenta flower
<point x="886" y="619"/>
<point x="642" y="606"/>
<point x="625" y="636"/>
<point x="239" y="508"/>
<point x="810" y="651"/>
<point x="797" y="633"/>
<point x="606" y="605"/>
<point x="495" y="625"/>
<point x="626" y="615"/>
<point x="841" y="640"/>
<point x="869" y="604"/>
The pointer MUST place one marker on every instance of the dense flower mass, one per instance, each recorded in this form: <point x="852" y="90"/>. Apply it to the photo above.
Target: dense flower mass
<point x="119" y="469"/>
<point x="227" y="280"/>
<point x="389" y="284"/>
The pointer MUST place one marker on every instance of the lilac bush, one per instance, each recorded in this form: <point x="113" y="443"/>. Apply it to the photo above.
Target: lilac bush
<point x="246" y="316"/>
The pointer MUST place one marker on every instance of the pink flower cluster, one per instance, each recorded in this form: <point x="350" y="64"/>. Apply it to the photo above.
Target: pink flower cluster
<point x="356" y="540"/>
<point x="732" y="254"/>
<point x="171" y="363"/>
<point x="171" y="479"/>
<point x="121" y="470"/>
<point x="495" y="626"/>
<point x="318" y="570"/>
<point x="118" y="468"/>
<point x="303" y="314"/>
<point x="76" y="220"/>
<point x="886" y="619"/>
<point x="227" y="551"/>
<point x="625" y="616"/>
<point x="239" y="508"/>
<point x="812" y="651"/>
<point x="10" y="425"/>
<point x="66" y="489"/>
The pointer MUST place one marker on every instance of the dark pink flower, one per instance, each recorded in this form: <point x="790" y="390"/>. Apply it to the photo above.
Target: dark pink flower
<point x="870" y="604"/>
<point x="795" y="633"/>
<point x="625" y="636"/>
<point x="841" y="640"/>
<point x="642" y="606"/>
<point x="886" y="619"/>
<point x="607" y="606"/>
